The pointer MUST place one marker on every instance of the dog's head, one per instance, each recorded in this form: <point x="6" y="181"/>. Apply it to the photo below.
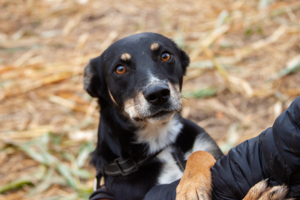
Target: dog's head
<point x="141" y="75"/>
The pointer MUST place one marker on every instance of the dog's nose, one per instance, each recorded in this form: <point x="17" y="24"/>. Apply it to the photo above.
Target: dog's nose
<point x="157" y="94"/>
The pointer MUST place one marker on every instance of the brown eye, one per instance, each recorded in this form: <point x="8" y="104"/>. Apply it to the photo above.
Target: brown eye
<point x="165" y="56"/>
<point x="120" y="69"/>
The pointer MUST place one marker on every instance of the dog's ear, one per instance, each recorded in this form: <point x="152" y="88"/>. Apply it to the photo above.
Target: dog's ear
<point x="184" y="59"/>
<point x="92" y="80"/>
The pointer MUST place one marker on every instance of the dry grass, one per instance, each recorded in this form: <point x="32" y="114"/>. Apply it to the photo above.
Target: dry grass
<point x="244" y="73"/>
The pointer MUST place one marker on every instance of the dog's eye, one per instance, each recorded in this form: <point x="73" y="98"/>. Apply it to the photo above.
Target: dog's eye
<point x="120" y="69"/>
<point x="165" y="57"/>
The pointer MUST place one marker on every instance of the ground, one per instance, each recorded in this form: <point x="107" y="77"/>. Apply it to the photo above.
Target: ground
<point x="243" y="74"/>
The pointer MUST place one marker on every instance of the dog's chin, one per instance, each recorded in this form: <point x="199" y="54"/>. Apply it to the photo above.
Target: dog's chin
<point x="161" y="117"/>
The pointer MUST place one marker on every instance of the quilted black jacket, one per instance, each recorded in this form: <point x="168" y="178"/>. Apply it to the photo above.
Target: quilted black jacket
<point x="274" y="154"/>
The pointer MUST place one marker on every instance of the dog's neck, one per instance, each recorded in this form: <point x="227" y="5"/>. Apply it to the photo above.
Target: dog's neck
<point x="158" y="136"/>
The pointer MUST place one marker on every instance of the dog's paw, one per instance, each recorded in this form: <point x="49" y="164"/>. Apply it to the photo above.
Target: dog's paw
<point x="261" y="191"/>
<point x="192" y="191"/>
<point x="257" y="190"/>
<point x="276" y="192"/>
<point x="195" y="183"/>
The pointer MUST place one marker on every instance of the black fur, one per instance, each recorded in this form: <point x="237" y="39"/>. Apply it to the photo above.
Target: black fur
<point x="117" y="132"/>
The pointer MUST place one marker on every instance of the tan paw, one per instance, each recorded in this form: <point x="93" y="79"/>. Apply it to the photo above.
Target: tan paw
<point x="256" y="191"/>
<point x="276" y="192"/>
<point x="192" y="191"/>
<point x="261" y="191"/>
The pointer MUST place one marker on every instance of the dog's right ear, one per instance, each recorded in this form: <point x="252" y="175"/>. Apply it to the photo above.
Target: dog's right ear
<point x="92" y="80"/>
<point x="184" y="59"/>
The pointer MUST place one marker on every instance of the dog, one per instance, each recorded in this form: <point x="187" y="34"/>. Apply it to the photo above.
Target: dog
<point x="142" y="139"/>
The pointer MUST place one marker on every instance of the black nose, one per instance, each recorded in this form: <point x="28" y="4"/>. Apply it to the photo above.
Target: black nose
<point x="157" y="94"/>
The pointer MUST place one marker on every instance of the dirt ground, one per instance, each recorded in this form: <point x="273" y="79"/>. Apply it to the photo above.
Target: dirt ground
<point x="245" y="56"/>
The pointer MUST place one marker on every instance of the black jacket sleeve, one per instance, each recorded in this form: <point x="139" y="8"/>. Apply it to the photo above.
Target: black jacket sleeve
<point x="163" y="192"/>
<point x="274" y="154"/>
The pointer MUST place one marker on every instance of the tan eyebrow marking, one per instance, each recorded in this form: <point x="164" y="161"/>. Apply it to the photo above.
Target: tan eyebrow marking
<point x="125" y="56"/>
<point x="154" y="46"/>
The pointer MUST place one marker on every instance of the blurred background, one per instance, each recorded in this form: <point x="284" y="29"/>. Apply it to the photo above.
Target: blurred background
<point x="245" y="56"/>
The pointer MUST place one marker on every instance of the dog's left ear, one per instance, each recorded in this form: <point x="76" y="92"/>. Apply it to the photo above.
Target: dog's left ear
<point x="92" y="81"/>
<point x="184" y="59"/>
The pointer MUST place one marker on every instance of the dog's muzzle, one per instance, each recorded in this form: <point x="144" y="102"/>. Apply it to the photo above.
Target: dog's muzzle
<point x="155" y="103"/>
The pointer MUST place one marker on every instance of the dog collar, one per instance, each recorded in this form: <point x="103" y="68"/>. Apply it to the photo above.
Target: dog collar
<point x="122" y="167"/>
<point x="128" y="166"/>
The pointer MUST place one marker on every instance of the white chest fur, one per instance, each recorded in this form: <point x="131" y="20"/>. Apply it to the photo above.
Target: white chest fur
<point x="170" y="170"/>
<point x="158" y="136"/>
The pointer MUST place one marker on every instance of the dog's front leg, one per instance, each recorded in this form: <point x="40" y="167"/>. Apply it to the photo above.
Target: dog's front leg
<point x="195" y="183"/>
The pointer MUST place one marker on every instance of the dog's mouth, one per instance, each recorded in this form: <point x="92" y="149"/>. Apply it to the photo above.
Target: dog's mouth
<point x="161" y="114"/>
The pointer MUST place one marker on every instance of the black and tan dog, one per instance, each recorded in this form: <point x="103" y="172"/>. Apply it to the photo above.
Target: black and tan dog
<point x="142" y="139"/>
